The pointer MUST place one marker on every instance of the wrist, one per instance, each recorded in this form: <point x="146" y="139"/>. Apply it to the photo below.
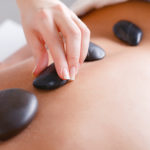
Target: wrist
<point x="22" y="3"/>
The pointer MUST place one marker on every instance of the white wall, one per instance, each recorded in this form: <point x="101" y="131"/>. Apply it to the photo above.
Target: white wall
<point x="8" y="9"/>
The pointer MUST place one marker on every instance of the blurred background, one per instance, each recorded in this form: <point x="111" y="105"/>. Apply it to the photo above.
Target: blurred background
<point x="9" y="10"/>
<point x="12" y="37"/>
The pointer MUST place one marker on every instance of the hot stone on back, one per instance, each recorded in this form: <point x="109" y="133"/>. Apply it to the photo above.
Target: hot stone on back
<point x="49" y="79"/>
<point x="17" y="109"/>
<point x="94" y="53"/>
<point x="128" y="32"/>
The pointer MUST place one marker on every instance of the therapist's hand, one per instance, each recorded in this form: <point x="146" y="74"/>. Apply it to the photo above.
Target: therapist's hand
<point x="51" y="23"/>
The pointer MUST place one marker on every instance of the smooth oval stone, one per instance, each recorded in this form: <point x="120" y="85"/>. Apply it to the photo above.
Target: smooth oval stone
<point x="94" y="53"/>
<point x="49" y="79"/>
<point x="17" y="109"/>
<point x="128" y="32"/>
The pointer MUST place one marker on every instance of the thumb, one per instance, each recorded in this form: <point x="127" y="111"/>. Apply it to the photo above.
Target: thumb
<point x="39" y="52"/>
<point x="41" y="63"/>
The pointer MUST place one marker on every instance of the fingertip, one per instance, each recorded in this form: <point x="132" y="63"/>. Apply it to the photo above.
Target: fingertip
<point x="65" y="74"/>
<point x="73" y="71"/>
<point x="42" y="63"/>
<point x="34" y="74"/>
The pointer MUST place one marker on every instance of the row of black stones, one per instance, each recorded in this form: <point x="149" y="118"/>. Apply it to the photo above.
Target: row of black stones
<point x="124" y="30"/>
<point x="18" y="107"/>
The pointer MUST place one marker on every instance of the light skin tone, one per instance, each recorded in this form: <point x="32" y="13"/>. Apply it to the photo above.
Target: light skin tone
<point x="51" y="23"/>
<point x="108" y="105"/>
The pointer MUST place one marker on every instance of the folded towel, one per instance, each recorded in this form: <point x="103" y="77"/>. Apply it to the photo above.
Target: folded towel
<point x="11" y="38"/>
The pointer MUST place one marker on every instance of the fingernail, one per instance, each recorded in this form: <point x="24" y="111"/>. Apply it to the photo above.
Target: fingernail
<point x="72" y="73"/>
<point x="66" y="74"/>
<point x="33" y="76"/>
<point x="34" y="71"/>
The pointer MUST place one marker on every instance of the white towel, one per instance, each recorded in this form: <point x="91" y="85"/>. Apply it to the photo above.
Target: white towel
<point x="11" y="38"/>
<point x="80" y="7"/>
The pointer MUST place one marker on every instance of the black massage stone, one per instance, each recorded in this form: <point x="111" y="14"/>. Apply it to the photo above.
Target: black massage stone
<point x="128" y="32"/>
<point x="17" y="109"/>
<point x="49" y="79"/>
<point x="94" y="53"/>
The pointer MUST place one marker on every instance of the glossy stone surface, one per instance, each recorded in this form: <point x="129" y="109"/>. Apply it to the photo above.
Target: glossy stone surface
<point x="17" y="109"/>
<point x="49" y="79"/>
<point x="128" y="32"/>
<point x="94" y="53"/>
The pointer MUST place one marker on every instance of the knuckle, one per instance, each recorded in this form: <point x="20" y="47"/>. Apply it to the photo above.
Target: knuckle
<point x="42" y="14"/>
<point x="73" y="59"/>
<point x="86" y="31"/>
<point x="75" y="33"/>
<point x="59" y="7"/>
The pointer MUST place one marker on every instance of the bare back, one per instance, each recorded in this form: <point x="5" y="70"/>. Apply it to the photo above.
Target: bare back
<point x="107" y="106"/>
